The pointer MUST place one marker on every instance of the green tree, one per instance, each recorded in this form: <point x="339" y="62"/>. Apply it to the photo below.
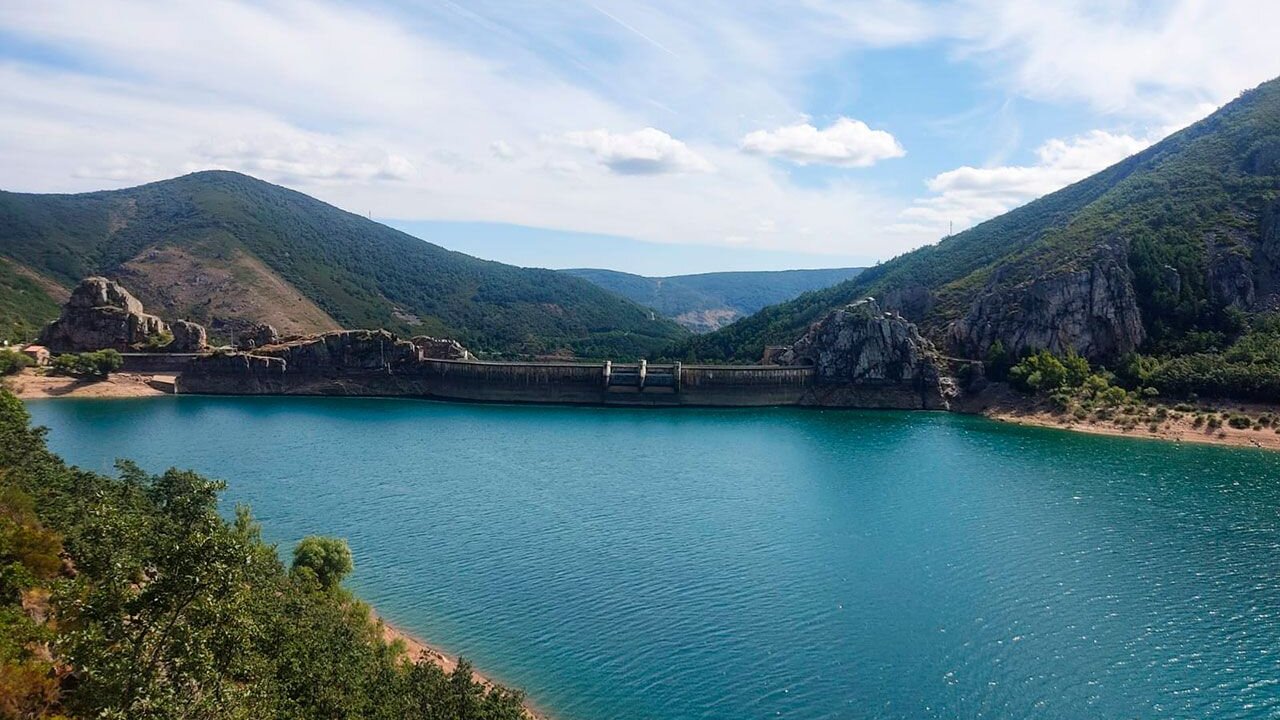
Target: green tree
<point x="1039" y="372"/>
<point x="97" y="364"/>
<point x="326" y="559"/>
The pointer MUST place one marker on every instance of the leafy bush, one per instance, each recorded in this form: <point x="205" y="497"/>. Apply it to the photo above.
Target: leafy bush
<point x="1039" y="372"/>
<point x="11" y="361"/>
<point x="1240" y="422"/>
<point x="97" y="364"/>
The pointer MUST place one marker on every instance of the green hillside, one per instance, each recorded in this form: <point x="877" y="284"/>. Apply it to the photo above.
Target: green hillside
<point x="1193" y="222"/>
<point x="227" y="250"/>
<point x="709" y="301"/>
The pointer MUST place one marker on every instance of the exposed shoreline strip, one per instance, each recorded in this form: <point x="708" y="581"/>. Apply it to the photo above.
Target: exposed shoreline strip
<point x="419" y="650"/>
<point x="29" y="386"/>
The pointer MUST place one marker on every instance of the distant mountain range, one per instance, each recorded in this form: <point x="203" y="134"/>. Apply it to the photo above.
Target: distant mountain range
<point x="1170" y="252"/>
<point x="228" y="250"/>
<point x="709" y="301"/>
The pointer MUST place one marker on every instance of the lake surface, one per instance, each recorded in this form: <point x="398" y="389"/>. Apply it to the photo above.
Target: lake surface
<point x="734" y="564"/>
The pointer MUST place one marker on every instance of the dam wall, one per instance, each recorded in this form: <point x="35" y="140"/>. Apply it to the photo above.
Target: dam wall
<point x="604" y="383"/>
<point x="622" y="384"/>
<point x="638" y="384"/>
<point x="745" y="385"/>
<point x="582" y="383"/>
<point x="157" y="362"/>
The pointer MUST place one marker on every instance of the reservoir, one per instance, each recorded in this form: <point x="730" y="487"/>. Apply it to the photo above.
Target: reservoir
<point x="763" y="563"/>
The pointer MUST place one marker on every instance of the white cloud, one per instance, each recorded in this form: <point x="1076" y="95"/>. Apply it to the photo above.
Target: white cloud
<point x="1153" y="61"/>
<point x="643" y="152"/>
<point x="301" y="158"/>
<point x="502" y="150"/>
<point x="401" y="119"/>
<point x="967" y="195"/>
<point x="846" y="142"/>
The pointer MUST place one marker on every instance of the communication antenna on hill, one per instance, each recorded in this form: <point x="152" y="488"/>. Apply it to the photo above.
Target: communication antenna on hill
<point x="951" y="227"/>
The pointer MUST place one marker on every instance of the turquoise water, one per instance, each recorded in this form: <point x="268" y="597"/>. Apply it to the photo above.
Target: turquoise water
<point x="765" y="563"/>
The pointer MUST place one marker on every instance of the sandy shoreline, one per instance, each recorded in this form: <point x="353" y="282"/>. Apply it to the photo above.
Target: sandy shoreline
<point x="29" y="385"/>
<point x="1179" y="430"/>
<point x="420" y="651"/>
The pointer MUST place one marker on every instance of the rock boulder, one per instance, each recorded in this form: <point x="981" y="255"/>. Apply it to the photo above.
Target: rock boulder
<point x="431" y="348"/>
<point x="867" y="357"/>
<point x="257" y="336"/>
<point x="188" y="337"/>
<point x="102" y="314"/>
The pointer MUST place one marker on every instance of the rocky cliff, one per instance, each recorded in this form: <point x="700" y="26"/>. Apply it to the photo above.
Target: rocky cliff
<point x="344" y="351"/>
<point x="865" y="357"/>
<point x="101" y="314"/>
<point x="1092" y="310"/>
<point x="346" y="362"/>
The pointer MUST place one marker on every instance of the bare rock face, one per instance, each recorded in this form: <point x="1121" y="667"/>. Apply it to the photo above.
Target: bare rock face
<point x="257" y="336"/>
<point x="1231" y="280"/>
<point x="347" y="362"/>
<point x="1093" y="311"/>
<point x="188" y="337"/>
<point x="233" y="373"/>
<point x="870" y="358"/>
<point x="343" y="351"/>
<point x="101" y="314"/>
<point x="431" y="348"/>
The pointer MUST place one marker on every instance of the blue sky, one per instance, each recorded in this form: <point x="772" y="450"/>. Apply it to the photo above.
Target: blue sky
<point x="654" y="137"/>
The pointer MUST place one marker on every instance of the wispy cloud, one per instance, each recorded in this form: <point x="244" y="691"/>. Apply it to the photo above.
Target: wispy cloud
<point x="445" y="110"/>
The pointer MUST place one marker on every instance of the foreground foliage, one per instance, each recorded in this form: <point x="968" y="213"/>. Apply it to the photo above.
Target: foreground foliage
<point x="132" y="597"/>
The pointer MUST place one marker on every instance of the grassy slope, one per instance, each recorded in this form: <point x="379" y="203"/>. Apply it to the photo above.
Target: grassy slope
<point x="1213" y="182"/>
<point x="361" y="273"/>
<point x="25" y="305"/>
<point x="742" y="293"/>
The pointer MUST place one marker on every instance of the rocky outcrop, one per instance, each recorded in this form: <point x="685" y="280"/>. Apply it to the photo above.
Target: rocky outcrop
<point x="348" y="362"/>
<point x="188" y="337"/>
<point x="865" y="357"/>
<point x="430" y="348"/>
<point x="911" y="301"/>
<point x="345" y="351"/>
<point x="102" y="314"/>
<point x="1092" y="311"/>
<point x="233" y="373"/>
<point x="257" y="336"/>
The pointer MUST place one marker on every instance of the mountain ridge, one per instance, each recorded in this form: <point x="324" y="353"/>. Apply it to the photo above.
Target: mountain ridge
<point x="229" y="250"/>
<point x="707" y="301"/>
<point x="1174" y="235"/>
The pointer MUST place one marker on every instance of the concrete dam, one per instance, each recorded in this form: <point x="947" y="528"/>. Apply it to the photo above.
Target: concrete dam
<point x="583" y="383"/>
<point x="608" y="383"/>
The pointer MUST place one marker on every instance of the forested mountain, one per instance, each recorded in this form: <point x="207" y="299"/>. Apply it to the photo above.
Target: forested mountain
<point x="228" y="250"/>
<point x="709" y="301"/>
<point x="1171" y="253"/>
